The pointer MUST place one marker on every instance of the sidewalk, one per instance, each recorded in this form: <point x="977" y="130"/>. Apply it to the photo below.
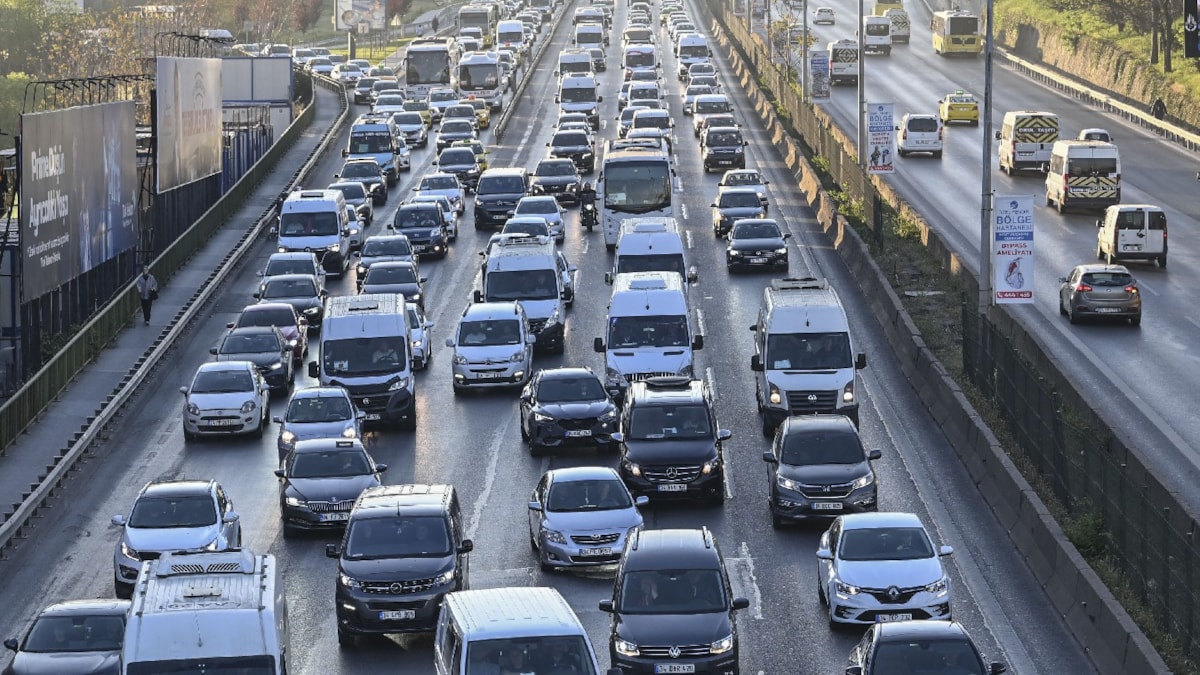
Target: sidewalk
<point x="27" y="459"/>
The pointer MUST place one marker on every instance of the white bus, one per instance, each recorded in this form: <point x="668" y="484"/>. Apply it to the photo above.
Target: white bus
<point x="480" y="74"/>
<point x="635" y="182"/>
<point x="429" y="64"/>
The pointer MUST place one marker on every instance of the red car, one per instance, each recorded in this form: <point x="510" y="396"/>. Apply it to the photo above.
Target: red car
<point x="284" y="317"/>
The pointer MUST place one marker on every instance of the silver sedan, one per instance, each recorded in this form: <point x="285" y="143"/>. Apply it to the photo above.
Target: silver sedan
<point x="581" y="516"/>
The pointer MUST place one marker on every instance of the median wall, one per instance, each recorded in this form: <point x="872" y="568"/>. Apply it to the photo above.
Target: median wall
<point x="1158" y="552"/>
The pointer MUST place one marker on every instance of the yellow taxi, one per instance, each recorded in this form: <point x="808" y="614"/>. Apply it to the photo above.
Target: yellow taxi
<point x="483" y="114"/>
<point x="959" y="107"/>
<point x="420" y="106"/>
<point x="475" y="145"/>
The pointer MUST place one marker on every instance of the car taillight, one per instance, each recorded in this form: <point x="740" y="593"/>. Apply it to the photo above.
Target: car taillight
<point x="1082" y="288"/>
<point x="1131" y="289"/>
<point x="940" y="129"/>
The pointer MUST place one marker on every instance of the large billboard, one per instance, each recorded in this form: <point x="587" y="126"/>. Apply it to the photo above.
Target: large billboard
<point x="358" y="15"/>
<point x="79" y="188"/>
<point x="188" y="120"/>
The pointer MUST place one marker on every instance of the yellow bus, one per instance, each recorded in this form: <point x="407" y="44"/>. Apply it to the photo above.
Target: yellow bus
<point x="956" y="32"/>
<point x="882" y="6"/>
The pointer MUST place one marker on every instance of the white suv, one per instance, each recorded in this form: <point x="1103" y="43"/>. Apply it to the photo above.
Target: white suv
<point x="920" y="133"/>
<point x="493" y="347"/>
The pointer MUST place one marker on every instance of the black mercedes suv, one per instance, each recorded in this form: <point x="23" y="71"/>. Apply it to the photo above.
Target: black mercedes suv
<point x="672" y="607"/>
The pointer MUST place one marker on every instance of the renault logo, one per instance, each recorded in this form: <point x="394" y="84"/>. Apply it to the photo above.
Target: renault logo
<point x="893" y="593"/>
<point x="672" y="473"/>
<point x="396" y="587"/>
<point x="674" y="652"/>
<point x="812" y="398"/>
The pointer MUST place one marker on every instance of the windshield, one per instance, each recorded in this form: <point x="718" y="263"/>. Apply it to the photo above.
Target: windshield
<point x="417" y="217"/>
<point x="222" y="382"/>
<point x="440" y="183"/>
<point x="352" y="191"/>
<point x="637" y="186"/>
<point x="651" y="263"/>
<point x="479" y="76"/>
<point x="672" y="592"/>
<point x="381" y="355"/>
<point x="366" y="83"/>
<point x="693" y="52"/>
<point x="885" y="543"/>
<point x="651" y="121"/>
<point x="753" y="230"/>
<point x="946" y="656"/>
<point x="390" y="274"/>
<point x="587" y="495"/>
<point x="822" y="448"/>
<point x="626" y="332"/>
<point x="578" y="95"/>
<point x="457" y="126"/>
<point x="397" y="537"/>
<point x="76" y="634"/>
<point x="319" y="224"/>
<point x="807" y="351"/>
<point x="427" y="67"/>
<point x="570" y="390"/>
<point x="318" y="409"/>
<point x="522" y="285"/>
<point x="709" y="107"/>
<point x="368" y="169"/>
<point x="738" y="179"/>
<point x="250" y="344"/>
<point x="176" y="511"/>
<point x="637" y="93"/>
<point x="500" y="185"/>
<point x="330" y="464"/>
<point x="289" y="288"/>
<point x="669" y="422"/>
<point x="722" y="139"/>
<point x="386" y="247"/>
<point x="550" y="655"/>
<point x="566" y="168"/>
<point x="489" y="333"/>
<point x="263" y="664"/>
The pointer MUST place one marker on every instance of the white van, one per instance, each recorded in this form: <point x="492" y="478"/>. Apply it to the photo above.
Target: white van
<point x="1083" y="174"/>
<point x="1132" y="232"/>
<point x="579" y="93"/>
<point x="649" y="330"/>
<point x="590" y="35"/>
<point x="207" y="612"/>
<point x="691" y="48"/>
<point x="574" y="62"/>
<point x="877" y="35"/>
<point x="522" y="630"/>
<point x="317" y="221"/>
<point x="843" y="62"/>
<point x="651" y="245"/>
<point x="510" y="34"/>
<point x="530" y="271"/>
<point x="1026" y="139"/>
<point x="804" y="357"/>
<point x="901" y="26"/>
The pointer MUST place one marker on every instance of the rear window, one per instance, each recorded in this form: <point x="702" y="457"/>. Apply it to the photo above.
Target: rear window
<point x="1108" y="279"/>
<point x="922" y="124"/>
<point x="1091" y="166"/>
<point x="1158" y="221"/>
<point x="500" y="184"/>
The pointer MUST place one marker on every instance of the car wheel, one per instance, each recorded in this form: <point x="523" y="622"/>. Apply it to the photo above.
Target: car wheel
<point x="533" y="543"/>
<point x="776" y="522"/>
<point x="524" y="433"/>
<point x="1062" y="310"/>
<point x="258" y="433"/>
<point x="937" y="155"/>
<point x="288" y="531"/>
<point x="821" y="593"/>
<point x="768" y="429"/>
<point x="1071" y="315"/>
<point x="536" y="449"/>
<point x="122" y="591"/>
<point x="188" y="437"/>
<point x="1136" y="320"/>
<point x="345" y="639"/>
<point x="1162" y="262"/>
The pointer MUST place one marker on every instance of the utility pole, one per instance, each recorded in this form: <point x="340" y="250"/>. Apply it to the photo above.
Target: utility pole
<point x="985" y="189"/>
<point x="862" y="100"/>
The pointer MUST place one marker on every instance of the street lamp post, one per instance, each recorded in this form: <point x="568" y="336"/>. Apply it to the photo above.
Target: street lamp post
<point x="985" y="189"/>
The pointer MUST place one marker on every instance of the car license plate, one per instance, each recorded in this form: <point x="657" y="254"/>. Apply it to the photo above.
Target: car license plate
<point x="826" y="506"/>
<point x="757" y="261"/>
<point x="333" y="517"/>
<point x="1132" y="247"/>
<point x="487" y="376"/>
<point x="579" y="433"/>
<point x="674" y="667"/>
<point x="673" y="487"/>
<point x="888" y="618"/>
<point x="1108" y="310"/>
<point x="722" y="162"/>
<point x="587" y="552"/>
<point x="418" y="248"/>
<point x="372" y="417"/>
<point x="222" y="423"/>
<point x="398" y="615"/>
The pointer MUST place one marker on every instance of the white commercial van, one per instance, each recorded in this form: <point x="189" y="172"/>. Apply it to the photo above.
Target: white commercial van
<point x="877" y="35"/>
<point x="510" y="34"/>
<point x="356" y="331"/>
<point x="521" y="630"/>
<point x="1026" y="139"/>
<point x="1083" y="174"/>
<point x="804" y="356"/>
<point x="317" y="221"/>
<point x="574" y="62"/>
<point x="901" y="26"/>
<point x="216" y="612"/>
<point x="590" y="35"/>
<point x="843" y="62"/>
<point x="1132" y="232"/>
<point x="651" y="245"/>
<point x="530" y="270"/>
<point x="691" y="48"/>
<point x="649" y="330"/>
<point x="578" y="93"/>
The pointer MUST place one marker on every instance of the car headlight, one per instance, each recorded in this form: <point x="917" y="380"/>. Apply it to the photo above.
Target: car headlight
<point x="275" y="366"/>
<point x="249" y="406"/>
<point x="711" y="466"/>
<point x="939" y="587"/>
<point x="444" y="578"/>
<point x="294" y="501"/>
<point x="517" y="357"/>
<point x="787" y="484"/>
<point x="844" y="589"/>
<point x="416" y="344"/>
<point x="773" y="394"/>
<point x="312" y="311"/>
<point x="721" y="646"/>
<point x="333" y="248"/>
<point x="192" y="408"/>
<point x="348" y="581"/>
<point x="401" y="383"/>
<point x="612" y="377"/>
<point x="625" y="647"/>
<point x="863" y="481"/>
<point x="848" y="392"/>
<point x="608" y="416"/>
<point x="735" y="253"/>
<point x="415" y="297"/>
<point x="460" y="360"/>
<point x="781" y="251"/>
<point x="684" y="371"/>
<point x="539" y="417"/>
<point x="129" y="552"/>
<point x="633" y="469"/>
<point x="553" y="536"/>
<point x="362" y="269"/>
<point x="354" y="231"/>
<point x="349" y="432"/>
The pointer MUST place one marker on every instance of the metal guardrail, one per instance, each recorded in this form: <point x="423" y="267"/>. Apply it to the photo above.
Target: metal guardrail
<point x="119" y="310"/>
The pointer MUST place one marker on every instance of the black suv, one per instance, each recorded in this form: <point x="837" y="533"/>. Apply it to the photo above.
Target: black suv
<point x="402" y="552"/>
<point x="576" y="146"/>
<point x="670" y="442"/>
<point x="818" y="468"/>
<point x="461" y="162"/>
<point x="722" y="148"/>
<point x="370" y="174"/>
<point x="559" y="177"/>
<point x="424" y="223"/>
<point x="672" y="607"/>
<point x="497" y="194"/>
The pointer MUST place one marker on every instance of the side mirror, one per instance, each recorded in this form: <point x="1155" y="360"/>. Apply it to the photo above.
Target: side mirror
<point x="756" y="363"/>
<point x="713" y="205"/>
<point x="1062" y="280"/>
<point x="212" y="350"/>
<point x="450" y="342"/>
<point x="547" y="145"/>
<point x="345" y="153"/>
<point x="11" y="643"/>
<point x="333" y="550"/>
<point x="183" y="390"/>
<point x="530" y="339"/>
<point x="698" y="342"/>
<point x="597" y="345"/>
<point x="945" y="550"/>
<point x="641" y="500"/>
<point x="229" y="325"/>
<point x="466" y="546"/>
<point x="874" y="454"/>
<point x="535" y="506"/>
<point x="998" y="138"/>
<point x="277" y="419"/>
<point x="312" y="369"/>
<point x="556" y="98"/>
<point x="118" y="520"/>
<point x="477" y="295"/>
<point x="424" y="279"/>
<point x="824" y="554"/>
<point x="231" y="517"/>
<point x="787" y="235"/>
<point x="606" y="606"/>
<point x="280" y="473"/>
<point x="769" y="457"/>
<point x="994" y="668"/>
<point x="599" y="99"/>
<point x="724" y="434"/>
<point x="256" y="296"/>
<point x="692" y="275"/>
<point x="618" y="437"/>
<point x="360" y="415"/>
<point x="854" y="670"/>
<point x="860" y="361"/>
<point x="741" y="603"/>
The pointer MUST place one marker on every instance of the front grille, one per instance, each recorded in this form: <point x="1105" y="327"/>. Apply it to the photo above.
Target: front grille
<point x="595" y="539"/>
<point x="366" y="389"/>
<point x="685" y="651"/>
<point x="638" y="377"/>
<point x="903" y="595"/>
<point x="149" y="555"/>
<point x="827" y="491"/>
<point x="800" y="402"/>
<point x="671" y="474"/>
<point x="399" y="587"/>
<point x="329" y="507"/>
<point x="575" y="425"/>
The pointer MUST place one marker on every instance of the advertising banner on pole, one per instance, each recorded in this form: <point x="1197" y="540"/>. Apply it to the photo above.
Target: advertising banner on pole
<point x="881" y="138"/>
<point x="1191" y="28"/>
<point x="359" y="16"/>
<point x="79" y="189"/>
<point x="818" y="74"/>
<point x="1012" y="249"/>
<point x="188" y="120"/>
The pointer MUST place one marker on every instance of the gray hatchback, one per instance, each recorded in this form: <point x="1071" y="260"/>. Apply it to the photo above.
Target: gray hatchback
<point x="1102" y="291"/>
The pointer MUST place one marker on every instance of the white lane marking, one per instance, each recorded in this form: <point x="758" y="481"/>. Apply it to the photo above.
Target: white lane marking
<point x="528" y="132"/>
<point x="712" y="381"/>
<point x="687" y="234"/>
<point x="584" y="249"/>
<point x="1146" y="287"/>
<point x="683" y="209"/>
<point x="700" y="325"/>
<point x="489" y="477"/>
<point x="746" y="561"/>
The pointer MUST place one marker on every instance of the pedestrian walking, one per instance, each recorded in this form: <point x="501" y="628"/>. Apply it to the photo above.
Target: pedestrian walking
<point x="1158" y="109"/>
<point x="147" y="290"/>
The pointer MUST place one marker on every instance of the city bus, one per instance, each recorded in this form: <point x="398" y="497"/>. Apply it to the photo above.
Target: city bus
<point x="956" y="32"/>
<point x="882" y="6"/>
<point x="636" y="181"/>
<point x="481" y="74"/>
<point x="481" y="16"/>
<point x="429" y="64"/>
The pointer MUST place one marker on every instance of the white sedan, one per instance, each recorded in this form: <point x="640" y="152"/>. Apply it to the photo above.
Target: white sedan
<point x="226" y="398"/>
<point x="878" y="567"/>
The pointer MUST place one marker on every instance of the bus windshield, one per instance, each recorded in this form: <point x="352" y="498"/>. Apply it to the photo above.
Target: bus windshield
<point x="427" y="67"/>
<point x="637" y="186"/>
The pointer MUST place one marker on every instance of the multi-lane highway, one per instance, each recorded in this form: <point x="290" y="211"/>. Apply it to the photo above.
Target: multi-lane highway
<point x="1144" y="380"/>
<point x="473" y="442"/>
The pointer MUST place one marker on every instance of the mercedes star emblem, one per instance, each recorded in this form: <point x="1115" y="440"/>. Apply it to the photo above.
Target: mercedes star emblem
<point x="672" y="473"/>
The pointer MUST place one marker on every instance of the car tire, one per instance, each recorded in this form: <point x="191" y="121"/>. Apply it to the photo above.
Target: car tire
<point x="122" y="591"/>
<point x="536" y="449"/>
<point x="533" y="545"/>
<point x="821" y="594"/>
<point x="768" y="430"/>
<point x="1062" y="309"/>
<point x="188" y="437"/>
<point x="1072" y="317"/>
<point x="776" y="521"/>
<point x="345" y="640"/>
<point x="288" y="531"/>
<point x="410" y="424"/>
<point x="1162" y="262"/>
<point x="937" y="154"/>
<point x="1135" y="321"/>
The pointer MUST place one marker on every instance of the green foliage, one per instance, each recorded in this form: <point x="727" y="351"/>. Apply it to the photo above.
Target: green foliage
<point x="12" y="90"/>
